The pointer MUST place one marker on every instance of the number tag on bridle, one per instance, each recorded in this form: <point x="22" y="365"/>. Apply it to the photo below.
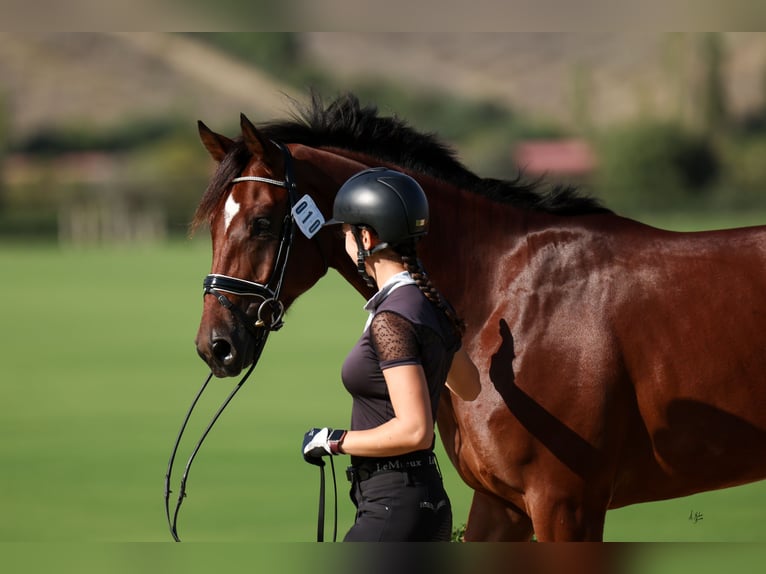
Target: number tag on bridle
<point x="307" y="216"/>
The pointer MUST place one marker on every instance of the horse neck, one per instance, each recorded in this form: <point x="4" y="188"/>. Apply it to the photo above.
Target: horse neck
<point x="476" y="246"/>
<point x="467" y="231"/>
<point x="321" y="173"/>
<point x="469" y="237"/>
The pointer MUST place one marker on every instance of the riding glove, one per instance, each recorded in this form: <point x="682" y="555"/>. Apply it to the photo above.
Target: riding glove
<point x="321" y="442"/>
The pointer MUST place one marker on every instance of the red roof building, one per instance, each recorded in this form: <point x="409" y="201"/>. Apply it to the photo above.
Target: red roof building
<point x="569" y="157"/>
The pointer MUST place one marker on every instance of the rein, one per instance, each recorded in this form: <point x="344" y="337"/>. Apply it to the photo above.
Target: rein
<point x="218" y="285"/>
<point x="173" y="523"/>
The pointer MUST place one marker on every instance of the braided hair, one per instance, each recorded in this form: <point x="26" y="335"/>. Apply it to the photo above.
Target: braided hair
<point x="408" y="254"/>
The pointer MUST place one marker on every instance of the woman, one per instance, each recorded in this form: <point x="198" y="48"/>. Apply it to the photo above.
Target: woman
<point x="409" y="349"/>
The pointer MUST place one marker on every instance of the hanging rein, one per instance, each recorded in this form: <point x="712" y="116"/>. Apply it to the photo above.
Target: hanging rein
<point x="269" y="317"/>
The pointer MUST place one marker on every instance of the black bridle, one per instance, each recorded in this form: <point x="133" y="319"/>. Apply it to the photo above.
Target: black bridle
<point x="268" y="318"/>
<point x="216" y="284"/>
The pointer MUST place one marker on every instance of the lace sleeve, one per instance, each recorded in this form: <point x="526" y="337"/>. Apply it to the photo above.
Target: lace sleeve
<point x="395" y="340"/>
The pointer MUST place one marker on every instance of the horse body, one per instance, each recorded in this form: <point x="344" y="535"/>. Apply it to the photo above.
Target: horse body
<point x="623" y="363"/>
<point x="620" y="363"/>
<point x="695" y="358"/>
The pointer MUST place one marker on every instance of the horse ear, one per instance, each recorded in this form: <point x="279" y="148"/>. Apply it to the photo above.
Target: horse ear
<point x="216" y="144"/>
<point x="256" y="143"/>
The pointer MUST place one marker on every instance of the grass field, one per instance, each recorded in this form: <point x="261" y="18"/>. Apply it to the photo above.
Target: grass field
<point x="99" y="368"/>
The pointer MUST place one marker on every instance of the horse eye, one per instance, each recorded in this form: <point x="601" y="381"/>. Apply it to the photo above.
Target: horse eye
<point x="261" y="226"/>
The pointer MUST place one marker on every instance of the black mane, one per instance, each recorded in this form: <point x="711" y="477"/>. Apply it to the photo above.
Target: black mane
<point x="345" y="124"/>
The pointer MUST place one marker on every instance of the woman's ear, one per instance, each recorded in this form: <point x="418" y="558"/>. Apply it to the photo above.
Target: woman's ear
<point x="369" y="239"/>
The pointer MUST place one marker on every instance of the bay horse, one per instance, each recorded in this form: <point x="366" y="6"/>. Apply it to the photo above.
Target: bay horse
<point x="619" y="363"/>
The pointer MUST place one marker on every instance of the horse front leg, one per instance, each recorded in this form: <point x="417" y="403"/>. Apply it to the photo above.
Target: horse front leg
<point x="567" y="519"/>
<point x="492" y="519"/>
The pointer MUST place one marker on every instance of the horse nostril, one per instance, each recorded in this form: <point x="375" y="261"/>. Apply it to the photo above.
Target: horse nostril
<point x="221" y="349"/>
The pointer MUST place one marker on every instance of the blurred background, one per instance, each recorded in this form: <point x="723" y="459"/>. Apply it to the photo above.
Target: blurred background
<point x="101" y="169"/>
<point x="97" y="130"/>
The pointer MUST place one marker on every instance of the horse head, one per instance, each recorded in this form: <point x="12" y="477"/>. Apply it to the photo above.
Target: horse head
<point x="260" y="263"/>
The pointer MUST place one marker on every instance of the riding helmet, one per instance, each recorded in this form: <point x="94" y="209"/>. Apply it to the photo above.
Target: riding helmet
<point x="390" y="202"/>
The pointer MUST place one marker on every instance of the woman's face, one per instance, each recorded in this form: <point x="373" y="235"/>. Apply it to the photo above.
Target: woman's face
<point x="351" y="248"/>
<point x="365" y="235"/>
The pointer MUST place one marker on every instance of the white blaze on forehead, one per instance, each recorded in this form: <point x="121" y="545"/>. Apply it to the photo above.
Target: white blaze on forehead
<point x="230" y="210"/>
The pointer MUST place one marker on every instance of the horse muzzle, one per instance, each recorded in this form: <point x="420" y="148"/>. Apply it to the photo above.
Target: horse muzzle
<point x="225" y="353"/>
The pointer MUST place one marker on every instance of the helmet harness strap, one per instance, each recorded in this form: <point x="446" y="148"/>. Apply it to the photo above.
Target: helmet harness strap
<point x="362" y="254"/>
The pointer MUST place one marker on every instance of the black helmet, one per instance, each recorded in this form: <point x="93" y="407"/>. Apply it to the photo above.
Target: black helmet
<point x="390" y="202"/>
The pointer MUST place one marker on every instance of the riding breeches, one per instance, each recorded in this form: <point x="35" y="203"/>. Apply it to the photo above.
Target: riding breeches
<point x="400" y="506"/>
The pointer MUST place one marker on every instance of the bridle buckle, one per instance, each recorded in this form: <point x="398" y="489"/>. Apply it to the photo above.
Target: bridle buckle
<point x="276" y="321"/>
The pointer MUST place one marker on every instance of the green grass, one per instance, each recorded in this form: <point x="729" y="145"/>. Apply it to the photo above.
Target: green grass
<point x="99" y="368"/>
<point x="700" y="220"/>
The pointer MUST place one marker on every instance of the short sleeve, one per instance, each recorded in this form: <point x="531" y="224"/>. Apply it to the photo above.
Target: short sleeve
<point x="394" y="339"/>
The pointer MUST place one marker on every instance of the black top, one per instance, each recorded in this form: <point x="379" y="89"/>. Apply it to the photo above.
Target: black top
<point x="406" y="329"/>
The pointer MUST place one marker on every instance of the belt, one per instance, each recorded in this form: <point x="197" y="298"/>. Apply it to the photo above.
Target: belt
<point x="421" y="462"/>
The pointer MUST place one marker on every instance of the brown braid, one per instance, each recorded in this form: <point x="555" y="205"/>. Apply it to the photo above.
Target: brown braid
<point x="410" y="260"/>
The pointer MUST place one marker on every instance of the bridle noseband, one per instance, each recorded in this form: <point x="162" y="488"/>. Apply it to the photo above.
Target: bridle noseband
<point x="217" y="285"/>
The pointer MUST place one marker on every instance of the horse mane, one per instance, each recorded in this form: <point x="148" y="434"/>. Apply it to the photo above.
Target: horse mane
<point x="345" y="124"/>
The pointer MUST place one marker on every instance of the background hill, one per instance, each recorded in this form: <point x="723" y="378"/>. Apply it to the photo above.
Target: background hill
<point x="539" y="73"/>
<point x="103" y="79"/>
<point x="131" y="101"/>
<point x="50" y="79"/>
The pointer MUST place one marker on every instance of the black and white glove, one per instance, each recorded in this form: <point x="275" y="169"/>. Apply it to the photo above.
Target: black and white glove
<point x="321" y="442"/>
